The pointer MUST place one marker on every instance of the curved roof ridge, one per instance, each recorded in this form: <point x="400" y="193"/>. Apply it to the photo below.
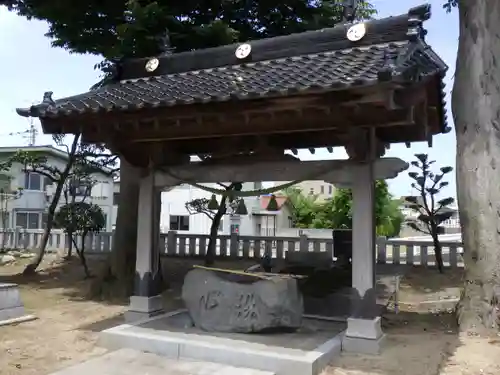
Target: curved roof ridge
<point x="390" y="29"/>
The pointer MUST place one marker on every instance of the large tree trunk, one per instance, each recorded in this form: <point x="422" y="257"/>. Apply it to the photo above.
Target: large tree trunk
<point x="120" y="269"/>
<point x="476" y="111"/>
<point x="214" y="230"/>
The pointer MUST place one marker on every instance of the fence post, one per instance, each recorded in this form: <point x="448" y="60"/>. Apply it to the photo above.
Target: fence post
<point x="171" y="242"/>
<point x="234" y="245"/>
<point x="16" y="238"/>
<point x="303" y="243"/>
<point x="162" y="244"/>
<point x="381" y="250"/>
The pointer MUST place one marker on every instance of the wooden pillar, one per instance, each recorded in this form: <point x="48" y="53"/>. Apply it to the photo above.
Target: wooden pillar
<point x="364" y="333"/>
<point x="146" y="301"/>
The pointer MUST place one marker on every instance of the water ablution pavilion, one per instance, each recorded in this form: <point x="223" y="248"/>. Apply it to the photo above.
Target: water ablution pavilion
<point x="362" y="86"/>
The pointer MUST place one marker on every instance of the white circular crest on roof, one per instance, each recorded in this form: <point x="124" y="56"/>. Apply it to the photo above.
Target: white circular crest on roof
<point x="243" y="51"/>
<point x="152" y="64"/>
<point x="356" y="32"/>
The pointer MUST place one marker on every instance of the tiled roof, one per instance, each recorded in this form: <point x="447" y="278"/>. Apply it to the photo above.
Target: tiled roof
<point x="314" y="63"/>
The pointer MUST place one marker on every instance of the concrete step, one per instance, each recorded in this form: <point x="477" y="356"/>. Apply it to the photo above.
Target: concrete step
<point x="133" y="362"/>
<point x="11" y="305"/>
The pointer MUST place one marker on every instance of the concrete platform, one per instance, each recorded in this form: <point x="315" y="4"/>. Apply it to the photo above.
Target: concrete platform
<point x="133" y="362"/>
<point x="305" y="352"/>
<point x="11" y="306"/>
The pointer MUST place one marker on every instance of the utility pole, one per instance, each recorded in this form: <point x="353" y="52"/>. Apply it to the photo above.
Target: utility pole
<point x="29" y="134"/>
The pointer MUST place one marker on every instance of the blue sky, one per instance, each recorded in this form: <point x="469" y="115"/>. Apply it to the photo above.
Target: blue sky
<point x="29" y="67"/>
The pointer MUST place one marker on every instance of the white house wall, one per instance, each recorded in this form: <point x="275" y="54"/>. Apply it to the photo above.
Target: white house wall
<point x="173" y="202"/>
<point x="38" y="201"/>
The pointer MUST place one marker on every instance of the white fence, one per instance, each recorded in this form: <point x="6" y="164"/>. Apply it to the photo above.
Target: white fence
<point x="245" y="247"/>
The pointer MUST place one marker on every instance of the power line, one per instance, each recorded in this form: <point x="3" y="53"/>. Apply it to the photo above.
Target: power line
<point x="30" y="134"/>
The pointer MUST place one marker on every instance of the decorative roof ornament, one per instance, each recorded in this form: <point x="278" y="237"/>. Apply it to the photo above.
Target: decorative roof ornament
<point x="47" y="100"/>
<point x="152" y="64"/>
<point x="37" y="110"/>
<point x="243" y="51"/>
<point x="163" y="47"/>
<point x="356" y="32"/>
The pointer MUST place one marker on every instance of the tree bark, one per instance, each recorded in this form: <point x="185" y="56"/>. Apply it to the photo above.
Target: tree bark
<point x="438" y="252"/>
<point x="31" y="268"/>
<point x="214" y="229"/>
<point x="70" y="245"/>
<point x="81" y="256"/>
<point x="120" y="268"/>
<point x="476" y="111"/>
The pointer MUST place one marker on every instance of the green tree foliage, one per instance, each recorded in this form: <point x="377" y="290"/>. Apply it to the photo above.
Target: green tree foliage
<point x="336" y="213"/>
<point x="305" y="207"/>
<point x="78" y="219"/>
<point x="117" y="28"/>
<point x="431" y="210"/>
<point x="82" y="159"/>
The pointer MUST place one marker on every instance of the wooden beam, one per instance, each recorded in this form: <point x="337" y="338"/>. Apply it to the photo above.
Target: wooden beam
<point x="314" y="99"/>
<point x="357" y="144"/>
<point x="263" y="124"/>
<point x="410" y="96"/>
<point x="332" y="171"/>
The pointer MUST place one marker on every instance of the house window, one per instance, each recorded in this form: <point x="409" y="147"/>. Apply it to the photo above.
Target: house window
<point x="311" y="191"/>
<point x="179" y="222"/>
<point x="221" y="225"/>
<point x="28" y="220"/>
<point x="322" y="189"/>
<point x="116" y="196"/>
<point x="330" y="189"/>
<point x="33" y="181"/>
<point x="235" y="228"/>
<point x="290" y="222"/>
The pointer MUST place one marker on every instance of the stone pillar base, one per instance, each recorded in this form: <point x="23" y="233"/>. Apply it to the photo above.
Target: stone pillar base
<point x="143" y="308"/>
<point x="363" y="336"/>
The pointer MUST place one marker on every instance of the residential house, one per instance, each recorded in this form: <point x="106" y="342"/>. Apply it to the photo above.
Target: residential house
<point x="258" y="221"/>
<point x="29" y="210"/>
<point x="271" y="223"/>
<point x="451" y="226"/>
<point x="321" y="189"/>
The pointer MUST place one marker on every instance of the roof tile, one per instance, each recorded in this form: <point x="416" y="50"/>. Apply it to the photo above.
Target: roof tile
<point x="323" y="71"/>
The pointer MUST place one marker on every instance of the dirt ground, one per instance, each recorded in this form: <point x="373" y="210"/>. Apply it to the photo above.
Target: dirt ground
<point x="421" y="338"/>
